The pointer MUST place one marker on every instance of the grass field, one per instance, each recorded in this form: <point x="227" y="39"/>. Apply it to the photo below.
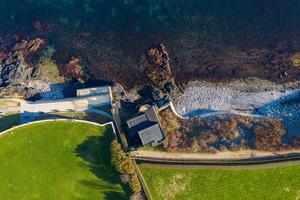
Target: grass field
<point x="58" y="161"/>
<point x="194" y="184"/>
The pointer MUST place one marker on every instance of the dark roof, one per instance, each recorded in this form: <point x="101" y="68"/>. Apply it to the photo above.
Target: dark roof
<point x="151" y="134"/>
<point x="146" y="126"/>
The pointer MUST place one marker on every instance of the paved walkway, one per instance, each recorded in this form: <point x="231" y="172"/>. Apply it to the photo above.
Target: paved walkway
<point x="227" y="155"/>
<point x="9" y="106"/>
<point x="30" y="110"/>
<point x="10" y="109"/>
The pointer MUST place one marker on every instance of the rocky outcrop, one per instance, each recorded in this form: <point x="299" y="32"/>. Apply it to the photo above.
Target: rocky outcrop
<point x="15" y="70"/>
<point x="74" y="69"/>
<point x="158" y="70"/>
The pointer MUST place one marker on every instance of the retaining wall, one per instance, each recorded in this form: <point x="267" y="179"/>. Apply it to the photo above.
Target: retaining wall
<point x="60" y="119"/>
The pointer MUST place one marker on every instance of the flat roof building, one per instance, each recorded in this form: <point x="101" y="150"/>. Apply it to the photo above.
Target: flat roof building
<point x="146" y="128"/>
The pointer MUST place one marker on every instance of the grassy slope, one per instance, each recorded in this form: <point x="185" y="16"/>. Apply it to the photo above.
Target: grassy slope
<point x="262" y="183"/>
<point x="58" y="160"/>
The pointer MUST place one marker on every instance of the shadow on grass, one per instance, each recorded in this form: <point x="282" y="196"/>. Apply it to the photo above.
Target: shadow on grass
<point x="95" y="151"/>
<point x="9" y="121"/>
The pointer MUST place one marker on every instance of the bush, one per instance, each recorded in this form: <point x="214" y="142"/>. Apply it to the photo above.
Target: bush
<point x="125" y="178"/>
<point x="268" y="136"/>
<point x="296" y="141"/>
<point x="138" y="196"/>
<point x="47" y="67"/>
<point x="134" y="184"/>
<point x="49" y="70"/>
<point x="295" y="60"/>
<point x="122" y="163"/>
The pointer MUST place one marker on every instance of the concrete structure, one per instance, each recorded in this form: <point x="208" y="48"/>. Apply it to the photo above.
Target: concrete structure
<point x="145" y="129"/>
<point x="58" y="119"/>
<point x="101" y="96"/>
<point x="94" y="91"/>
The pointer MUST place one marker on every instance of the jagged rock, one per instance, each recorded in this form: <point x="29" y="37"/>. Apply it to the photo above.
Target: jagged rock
<point x="158" y="56"/>
<point x="74" y="69"/>
<point x="120" y="94"/>
<point x="152" y="92"/>
<point x="158" y="69"/>
<point x="27" y="47"/>
<point x="15" y="72"/>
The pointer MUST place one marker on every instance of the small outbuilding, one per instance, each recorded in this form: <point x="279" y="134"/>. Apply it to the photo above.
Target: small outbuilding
<point x="145" y="128"/>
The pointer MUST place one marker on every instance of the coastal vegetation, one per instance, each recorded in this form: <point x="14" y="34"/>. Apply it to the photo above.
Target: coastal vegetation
<point x="48" y="69"/>
<point x="125" y="166"/>
<point x="59" y="160"/>
<point x="272" y="182"/>
<point x="221" y="132"/>
<point x="295" y="59"/>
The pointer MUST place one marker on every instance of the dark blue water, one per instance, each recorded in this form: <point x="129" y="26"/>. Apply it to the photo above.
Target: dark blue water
<point x="111" y="35"/>
<point x="269" y="19"/>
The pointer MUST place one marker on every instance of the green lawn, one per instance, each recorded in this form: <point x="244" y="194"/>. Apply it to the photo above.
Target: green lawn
<point x="194" y="184"/>
<point x="58" y="160"/>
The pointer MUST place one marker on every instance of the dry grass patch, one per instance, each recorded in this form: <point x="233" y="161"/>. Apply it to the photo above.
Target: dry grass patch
<point x="8" y="103"/>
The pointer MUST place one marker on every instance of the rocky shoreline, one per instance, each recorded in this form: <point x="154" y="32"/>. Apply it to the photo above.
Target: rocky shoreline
<point x="265" y="99"/>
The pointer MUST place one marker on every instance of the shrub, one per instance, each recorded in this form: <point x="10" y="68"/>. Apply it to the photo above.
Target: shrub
<point x="296" y="141"/>
<point x="295" y="60"/>
<point x="227" y="129"/>
<point x="209" y="137"/>
<point x="47" y="67"/>
<point x="125" y="178"/>
<point x="49" y="70"/>
<point x="268" y="136"/>
<point x="138" y="196"/>
<point x="122" y="163"/>
<point x="134" y="183"/>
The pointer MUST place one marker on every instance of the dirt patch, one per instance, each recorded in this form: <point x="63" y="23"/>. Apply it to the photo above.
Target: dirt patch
<point x="178" y="184"/>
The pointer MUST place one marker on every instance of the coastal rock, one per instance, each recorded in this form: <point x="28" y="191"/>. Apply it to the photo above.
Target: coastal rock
<point x="158" y="69"/>
<point x="158" y="55"/>
<point x="15" y="69"/>
<point x="152" y="92"/>
<point x="26" y="47"/>
<point x="74" y="69"/>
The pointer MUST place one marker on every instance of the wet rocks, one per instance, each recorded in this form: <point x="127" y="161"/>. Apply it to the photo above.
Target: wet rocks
<point x="158" y="70"/>
<point x="27" y="47"/>
<point x="74" y="69"/>
<point x="158" y="56"/>
<point x="15" y="70"/>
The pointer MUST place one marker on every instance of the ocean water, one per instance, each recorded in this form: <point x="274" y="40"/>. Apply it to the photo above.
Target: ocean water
<point x="230" y="20"/>
<point x="205" y="38"/>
